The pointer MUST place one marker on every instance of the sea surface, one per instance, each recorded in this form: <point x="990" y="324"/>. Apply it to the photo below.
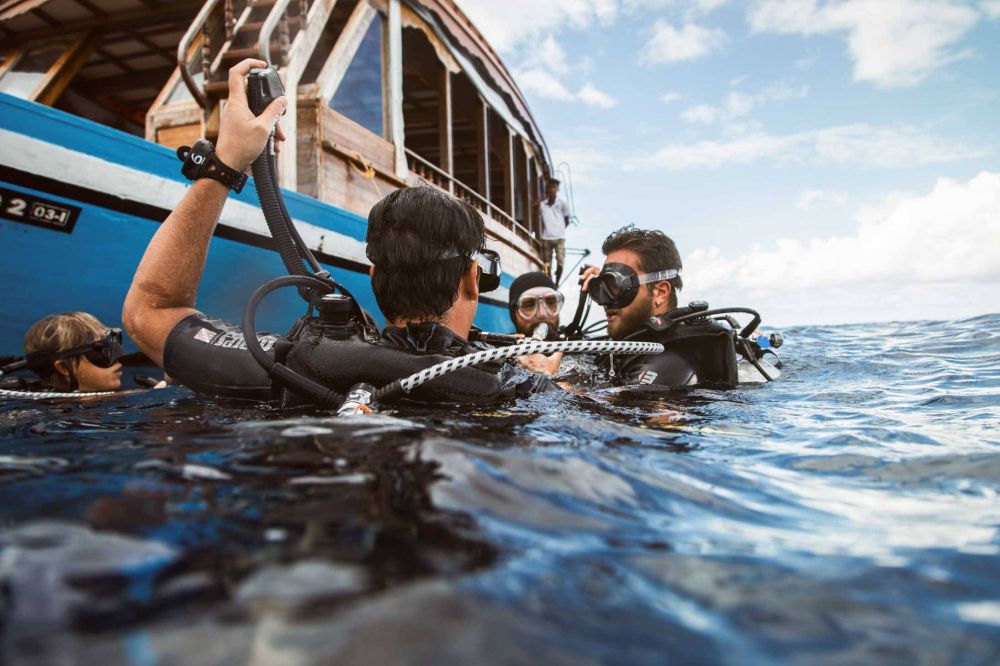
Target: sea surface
<point x="846" y="514"/>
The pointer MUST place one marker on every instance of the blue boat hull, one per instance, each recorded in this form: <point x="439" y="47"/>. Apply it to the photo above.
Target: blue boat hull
<point x="47" y="270"/>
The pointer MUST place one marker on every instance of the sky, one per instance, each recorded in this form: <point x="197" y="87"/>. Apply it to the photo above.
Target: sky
<point x="824" y="161"/>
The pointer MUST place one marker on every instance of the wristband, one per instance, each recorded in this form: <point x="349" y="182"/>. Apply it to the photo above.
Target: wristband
<point x="200" y="161"/>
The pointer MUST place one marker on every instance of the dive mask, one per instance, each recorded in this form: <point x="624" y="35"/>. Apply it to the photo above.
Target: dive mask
<point x="617" y="284"/>
<point x="489" y="269"/>
<point x="528" y="305"/>
<point x="103" y="352"/>
<point x="488" y="261"/>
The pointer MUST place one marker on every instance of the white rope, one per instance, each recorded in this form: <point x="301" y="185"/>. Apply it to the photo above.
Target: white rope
<point x="528" y="347"/>
<point x="43" y="395"/>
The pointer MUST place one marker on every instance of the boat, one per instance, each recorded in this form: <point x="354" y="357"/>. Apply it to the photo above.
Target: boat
<point x="95" y="98"/>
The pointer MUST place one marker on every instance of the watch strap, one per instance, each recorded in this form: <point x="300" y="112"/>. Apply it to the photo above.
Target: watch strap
<point x="200" y="161"/>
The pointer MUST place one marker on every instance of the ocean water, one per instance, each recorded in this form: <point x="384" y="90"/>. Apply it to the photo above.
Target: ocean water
<point x="847" y="514"/>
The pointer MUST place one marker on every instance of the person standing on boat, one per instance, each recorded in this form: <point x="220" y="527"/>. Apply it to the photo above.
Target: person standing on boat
<point x="535" y="304"/>
<point x="555" y="216"/>
<point x="428" y="262"/>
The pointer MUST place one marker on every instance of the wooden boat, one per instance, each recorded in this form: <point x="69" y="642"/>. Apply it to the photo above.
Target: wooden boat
<point x="95" y="97"/>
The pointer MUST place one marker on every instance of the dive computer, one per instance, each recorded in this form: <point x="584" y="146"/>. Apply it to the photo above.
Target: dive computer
<point x="200" y="161"/>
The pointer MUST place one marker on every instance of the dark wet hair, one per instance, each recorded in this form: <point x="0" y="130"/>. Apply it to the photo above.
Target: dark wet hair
<point x="656" y="252"/>
<point x="411" y="234"/>
<point x="553" y="181"/>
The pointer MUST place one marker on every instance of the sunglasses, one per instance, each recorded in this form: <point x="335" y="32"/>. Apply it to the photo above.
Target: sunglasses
<point x="552" y="303"/>
<point x="618" y="284"/>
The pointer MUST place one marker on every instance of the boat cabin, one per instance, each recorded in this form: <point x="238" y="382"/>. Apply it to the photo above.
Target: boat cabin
<point x="388" y="93"/>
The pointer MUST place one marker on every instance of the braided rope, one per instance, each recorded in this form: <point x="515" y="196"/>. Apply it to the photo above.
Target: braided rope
<point x="529" y="347"/>
<point x="44" y="395"/>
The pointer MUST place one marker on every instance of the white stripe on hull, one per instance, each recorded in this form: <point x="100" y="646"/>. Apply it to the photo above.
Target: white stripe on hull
<point x="70" y="166"/>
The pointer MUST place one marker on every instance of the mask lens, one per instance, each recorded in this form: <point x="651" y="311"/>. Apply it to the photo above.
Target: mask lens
<point x="527" y="306"/>
<point x="107" y="350"/>
<point x="553" y="303"/>
<point x="489" y="269"/>
<point x="615" y="287"/>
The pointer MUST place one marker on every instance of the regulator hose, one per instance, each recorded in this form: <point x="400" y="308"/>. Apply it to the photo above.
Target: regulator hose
<point x="316" y="392"/>
<point x="407" y="384"/>
<point x="287" y="240"/>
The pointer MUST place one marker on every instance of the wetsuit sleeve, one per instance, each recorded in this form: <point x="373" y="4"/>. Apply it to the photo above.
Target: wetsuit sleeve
<point x="667" y="369"/>
<point x="210" y="356"/>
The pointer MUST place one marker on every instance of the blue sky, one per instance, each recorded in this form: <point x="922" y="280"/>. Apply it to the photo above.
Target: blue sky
<point x="824" y="161"/>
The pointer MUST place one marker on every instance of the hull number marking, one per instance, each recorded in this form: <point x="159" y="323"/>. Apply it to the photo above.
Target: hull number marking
<point x="29" y="209"/>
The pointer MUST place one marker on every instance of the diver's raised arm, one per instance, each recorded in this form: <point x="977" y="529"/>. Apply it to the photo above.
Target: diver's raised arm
<point x="165" y="283"/>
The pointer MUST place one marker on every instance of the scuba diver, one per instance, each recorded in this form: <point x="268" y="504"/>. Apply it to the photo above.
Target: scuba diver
<point x="534" y="304"/>
<point x="429" y="265"/>
<point x="69" y="352"/>
<point x="638" y="288"/>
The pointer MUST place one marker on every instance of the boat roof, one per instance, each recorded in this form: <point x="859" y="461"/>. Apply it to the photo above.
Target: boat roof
<point x="139" y="38"/>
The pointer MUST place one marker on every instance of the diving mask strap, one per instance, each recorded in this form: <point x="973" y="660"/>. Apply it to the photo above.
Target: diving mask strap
<point x="667" y="274"/>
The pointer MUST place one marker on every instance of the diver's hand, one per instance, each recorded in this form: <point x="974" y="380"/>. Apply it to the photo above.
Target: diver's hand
<point x="548" y="365"/>
<point x="242" y="135"/>
<point x="589" y="272"/>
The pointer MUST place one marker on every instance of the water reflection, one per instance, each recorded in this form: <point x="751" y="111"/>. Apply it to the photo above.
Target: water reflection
<point x="845" y="514"/>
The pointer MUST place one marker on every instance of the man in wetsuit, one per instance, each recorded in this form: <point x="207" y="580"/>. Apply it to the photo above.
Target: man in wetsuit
<point x="535" y="304"/>
<point x="426" y="249"/>
<point x="638" y="288"/>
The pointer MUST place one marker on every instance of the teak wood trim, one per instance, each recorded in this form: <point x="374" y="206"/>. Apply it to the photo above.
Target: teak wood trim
<point x="62" y="71"/>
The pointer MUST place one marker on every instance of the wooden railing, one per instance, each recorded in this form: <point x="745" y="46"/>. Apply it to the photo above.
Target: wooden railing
<point x="445" y="181"/>
<point x="218" y="22"/>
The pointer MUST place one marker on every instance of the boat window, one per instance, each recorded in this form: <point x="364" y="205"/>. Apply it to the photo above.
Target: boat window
<point x="422" y="84"/>
<point x="359" y="95"/>
<point x="520" y="182"/>
<point x="499" y="161"/>
<point x="23" y="78"/>
<point x="467" y="111"/>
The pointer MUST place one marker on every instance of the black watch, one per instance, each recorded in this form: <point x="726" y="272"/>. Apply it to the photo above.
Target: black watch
<point x="200" y="161"/>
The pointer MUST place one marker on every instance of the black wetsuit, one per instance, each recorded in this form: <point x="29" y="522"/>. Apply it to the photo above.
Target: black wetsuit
<point x="210" y="356"/>
<point x="697" y="353"/>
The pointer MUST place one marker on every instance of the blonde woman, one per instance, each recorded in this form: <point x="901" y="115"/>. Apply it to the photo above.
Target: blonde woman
<point x="74" y="351"/>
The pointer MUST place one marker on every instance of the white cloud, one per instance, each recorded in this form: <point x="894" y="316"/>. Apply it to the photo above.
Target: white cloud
<point x="700" y="113"/>
<point x="590" y="95"/>
<point x="739" y="104"/>
<point x="891" y="42"/>
<point x="859" y="144"/>
<point x="549" y="54"/>
<point x="544" y="84"/>
<point x="950" y="236"/>
<point x="671" y="96"/>
<point x="687" y="7"/>
<point x="991" y="7"/>
<point x="523" y="21"/>
<point x="669" y="45"/>
<point x="807" y="199"/>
